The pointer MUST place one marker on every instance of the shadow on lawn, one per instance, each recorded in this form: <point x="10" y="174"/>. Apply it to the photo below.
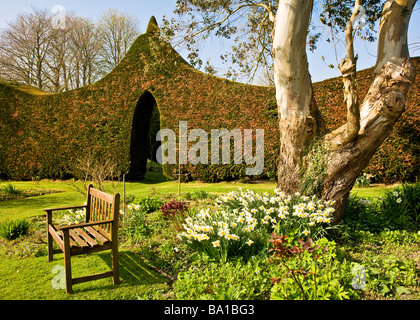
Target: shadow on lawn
<point x="134" y="272"/>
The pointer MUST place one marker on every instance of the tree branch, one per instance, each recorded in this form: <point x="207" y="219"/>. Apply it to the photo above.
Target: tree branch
<point x="347" y="66"/>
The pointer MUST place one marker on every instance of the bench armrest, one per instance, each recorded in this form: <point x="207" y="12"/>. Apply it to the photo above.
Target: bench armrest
<point x="65" y="208"/>
<point x="86" y="224"/>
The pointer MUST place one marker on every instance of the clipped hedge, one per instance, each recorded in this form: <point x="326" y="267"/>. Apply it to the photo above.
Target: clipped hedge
<point x="42" y="135"/>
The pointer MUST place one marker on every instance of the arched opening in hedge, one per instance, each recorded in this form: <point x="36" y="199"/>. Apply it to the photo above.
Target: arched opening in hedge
<point x="146" y="124"/>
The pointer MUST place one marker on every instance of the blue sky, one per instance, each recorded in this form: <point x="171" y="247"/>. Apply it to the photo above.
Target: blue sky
<point x="144" y="9"/>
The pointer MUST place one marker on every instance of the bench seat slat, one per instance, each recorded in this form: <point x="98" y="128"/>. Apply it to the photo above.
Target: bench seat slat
<point x="79" y="240"/>
<point x="86" y="237"/>
<point x="97" y="235"/>
<point x="103" y="232"/>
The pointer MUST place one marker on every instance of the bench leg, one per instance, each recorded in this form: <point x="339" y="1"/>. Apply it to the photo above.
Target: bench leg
<point x="115" y="264"/>
<point x="50" y="247"/>
<point x="67" y="262"/>
<point x="49" y="237"/>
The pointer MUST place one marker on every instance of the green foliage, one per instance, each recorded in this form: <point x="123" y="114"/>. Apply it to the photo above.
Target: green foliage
<point x="399" y="208"/>
<point x="314" y="169"/>
<point x="149" y="203"/>
<point x="196" y="195"/>
<point x="359" y="214"/>
<point x="390" y="276"/>
<point x="336" y="14"/>
<point x="364" y="180"/>
<point x="309" y="271"/>
<point x="234" y="280"/>
<point x="10" y="190"/>
<point x="14" y="229"/>
<point x="265" y="277"/>
<point x="402" y="205"/>
<point x="24" y="250"/>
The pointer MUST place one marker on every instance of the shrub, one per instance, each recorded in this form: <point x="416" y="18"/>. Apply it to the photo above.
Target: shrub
<point x="10" y="190"/>
<point x="402" y="205"/>
<point x="308" y="271"/>
<point x="134" y="226"/>
<point x="363" y="180"/>
<point x="149" y="203"/>
<point x="14" y="229"/>
<point x="399" y="208"/>
<point x="243" y="225"/>
<point x="234" y="280"/>
<point x="196" y="195"/>
<point x="175" y="210"/>
<point x="361" y="215"/>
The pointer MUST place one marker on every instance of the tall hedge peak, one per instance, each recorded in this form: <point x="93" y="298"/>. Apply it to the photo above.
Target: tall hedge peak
<point x="153" y="27"/>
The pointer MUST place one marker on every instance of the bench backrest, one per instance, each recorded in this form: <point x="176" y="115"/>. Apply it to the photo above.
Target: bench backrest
<point x="103" y="206"/>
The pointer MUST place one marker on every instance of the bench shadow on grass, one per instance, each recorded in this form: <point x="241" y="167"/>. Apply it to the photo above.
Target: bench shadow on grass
<point x="133" y="272"/>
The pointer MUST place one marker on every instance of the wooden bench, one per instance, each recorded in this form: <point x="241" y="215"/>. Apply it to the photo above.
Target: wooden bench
<point x="98" y="233"/>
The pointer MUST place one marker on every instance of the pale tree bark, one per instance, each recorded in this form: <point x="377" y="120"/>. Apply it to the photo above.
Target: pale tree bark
<point x="299" y="117"/>
<point x="382" y="106"/>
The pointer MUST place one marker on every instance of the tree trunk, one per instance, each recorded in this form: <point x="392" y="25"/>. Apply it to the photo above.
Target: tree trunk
<point x="299" y="116"/>
<point x="382" y="107"/>
<point x="346" y="151"/>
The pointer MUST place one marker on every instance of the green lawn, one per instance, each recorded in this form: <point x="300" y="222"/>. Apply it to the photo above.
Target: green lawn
<point x="154" y="183"/>
<point x="33" y="278"/>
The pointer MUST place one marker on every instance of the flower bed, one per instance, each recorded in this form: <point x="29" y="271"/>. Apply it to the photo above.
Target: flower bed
<point x="245" y="221"/>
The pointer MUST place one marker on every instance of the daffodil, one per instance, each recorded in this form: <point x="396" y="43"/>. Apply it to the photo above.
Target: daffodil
<point x="250" y="242"/>
<point x="204" y="237"/>
<point x="216" y="243"/>
<point x="222" y="233"/>
<point x="282" y="216"/>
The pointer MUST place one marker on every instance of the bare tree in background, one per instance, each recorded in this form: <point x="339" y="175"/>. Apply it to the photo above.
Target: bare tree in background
<point x="84" y="46"/>
<point x="24" y="46"/>
<point x="33" y="52"/>
<point x="116" y="32"/>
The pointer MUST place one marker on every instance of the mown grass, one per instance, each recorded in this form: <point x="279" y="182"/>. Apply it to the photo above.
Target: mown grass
<point x="32" y="278"/>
